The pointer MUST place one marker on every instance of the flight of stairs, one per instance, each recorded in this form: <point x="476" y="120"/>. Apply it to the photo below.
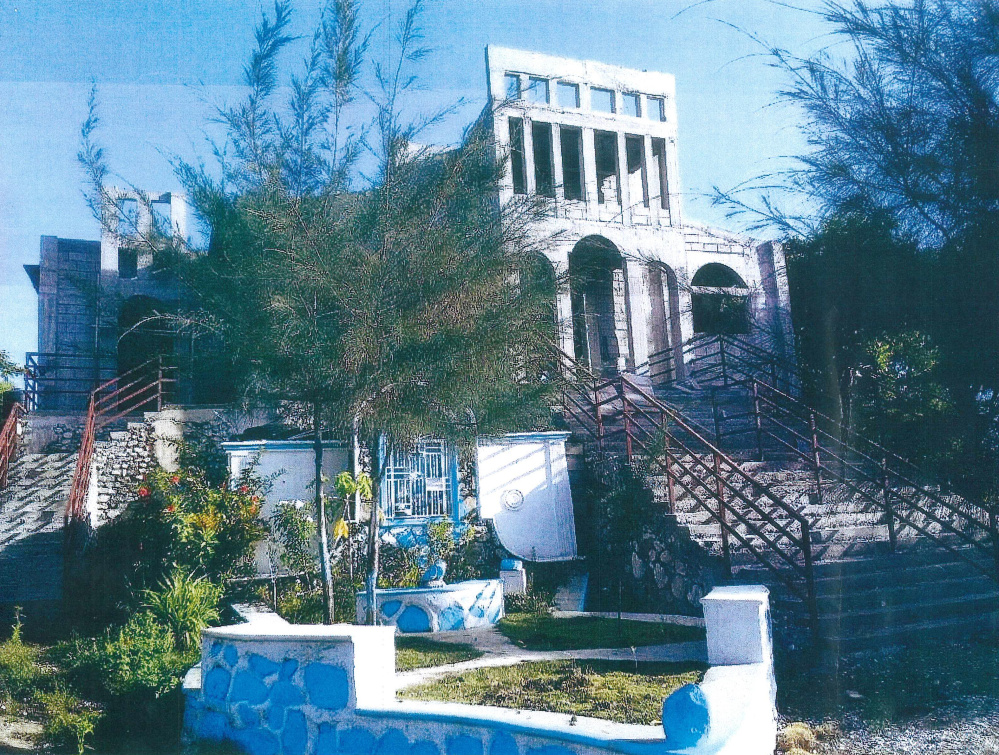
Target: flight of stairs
<point x="866" y="594"/>
<point x="31" y="528"/>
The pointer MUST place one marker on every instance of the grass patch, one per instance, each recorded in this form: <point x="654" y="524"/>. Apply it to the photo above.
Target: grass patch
<point x="539" y="631"/>
<point x="624" y="692"/>
<point x="419" y="652"/>
<point x="888" y="686"/>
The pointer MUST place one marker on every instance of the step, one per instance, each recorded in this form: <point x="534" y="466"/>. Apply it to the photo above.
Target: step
<point x="915" y="633"/>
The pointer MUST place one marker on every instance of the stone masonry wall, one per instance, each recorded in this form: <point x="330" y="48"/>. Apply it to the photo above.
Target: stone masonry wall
<point x="120" y="464"/>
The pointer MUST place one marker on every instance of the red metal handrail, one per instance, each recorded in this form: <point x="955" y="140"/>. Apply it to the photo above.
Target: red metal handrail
<point x="709" y="477"/>
<point x="132" y="391"/>
<point x="9" y="441"/>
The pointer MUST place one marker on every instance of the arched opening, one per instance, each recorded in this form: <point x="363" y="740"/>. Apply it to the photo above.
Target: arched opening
<point x="599" y="305"/>
<point x="142" y="335"/>
<point x="719" y="301"/>
<point x="665" y="335"/>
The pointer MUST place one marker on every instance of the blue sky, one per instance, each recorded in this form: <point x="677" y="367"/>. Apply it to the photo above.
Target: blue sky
<point x="160" y="66"/>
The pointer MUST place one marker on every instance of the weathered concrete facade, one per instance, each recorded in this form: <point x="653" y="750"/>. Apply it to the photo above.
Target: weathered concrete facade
<point x="95" y="300"/>
<point x="600" y="142"/>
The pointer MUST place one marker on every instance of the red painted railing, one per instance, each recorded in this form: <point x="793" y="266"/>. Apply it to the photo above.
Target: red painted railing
<point x="618" y="415"/>
<point x="144" y="388"/>
<point x="9" y="441"/>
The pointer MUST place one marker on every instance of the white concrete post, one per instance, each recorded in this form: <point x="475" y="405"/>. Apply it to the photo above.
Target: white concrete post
<point x="590" y="172"/>
<point x="529" y="181"/>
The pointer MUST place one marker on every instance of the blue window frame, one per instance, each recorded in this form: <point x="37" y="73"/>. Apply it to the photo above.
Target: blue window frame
<point x="421" y="484"/>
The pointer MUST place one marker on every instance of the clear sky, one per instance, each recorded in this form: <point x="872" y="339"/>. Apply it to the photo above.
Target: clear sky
<point x="159" y="66"/>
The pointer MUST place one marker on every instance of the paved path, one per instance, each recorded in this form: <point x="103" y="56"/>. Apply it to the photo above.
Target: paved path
<point x="499" y="651"/>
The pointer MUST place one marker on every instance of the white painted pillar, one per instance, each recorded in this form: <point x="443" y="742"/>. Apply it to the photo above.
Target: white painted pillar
<point x="639" y="310"/>
<point x="529" y="156"/>
<point x="651" y="166"/>
<point x="623" y="188"/>
<point x="590" y="173"/>
<point x="557" y="171"/>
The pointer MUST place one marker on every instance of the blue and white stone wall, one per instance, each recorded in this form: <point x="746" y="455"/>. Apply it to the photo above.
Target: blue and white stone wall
<point x="280" y="689"/>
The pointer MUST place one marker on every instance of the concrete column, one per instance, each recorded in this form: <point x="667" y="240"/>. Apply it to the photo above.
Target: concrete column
<point x="655" y="203"/>
<point x="622" y="329"/>
<point x="623" y="188"/>
<point x="640" y="309"/>
<point x="529" y="157"/>
<point x="557" y="164"/>
<point x="673" y="182"/>
<point x="590" y="172"/>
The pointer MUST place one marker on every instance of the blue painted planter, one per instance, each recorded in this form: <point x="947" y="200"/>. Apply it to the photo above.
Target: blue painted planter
<point x="447" y="608"/>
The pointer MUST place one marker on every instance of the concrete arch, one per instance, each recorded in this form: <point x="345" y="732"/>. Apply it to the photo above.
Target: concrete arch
<point x="719" y="300"/>
<point x="599" y="306"/>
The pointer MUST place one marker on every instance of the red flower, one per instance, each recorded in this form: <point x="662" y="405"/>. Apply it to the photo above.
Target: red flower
<point x="255" y="499"/>
<point x="171" y="508"/>
<point x="175" y="479"/>
<point x="144" y="492"/>
<point x="244" y="489"/>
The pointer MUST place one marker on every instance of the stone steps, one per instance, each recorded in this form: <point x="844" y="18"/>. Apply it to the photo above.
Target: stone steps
<point x="32" y="507"/>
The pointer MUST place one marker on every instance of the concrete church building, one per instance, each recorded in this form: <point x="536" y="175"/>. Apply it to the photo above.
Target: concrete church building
<point x="600" y="142"/>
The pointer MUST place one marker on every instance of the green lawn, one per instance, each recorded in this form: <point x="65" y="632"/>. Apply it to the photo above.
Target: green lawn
<point x="536" y="631"/>
<point x="419" y="652"/>
<point x="626" y="692"/>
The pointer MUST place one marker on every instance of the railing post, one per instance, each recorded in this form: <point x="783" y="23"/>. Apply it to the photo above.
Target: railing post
<point x="159" y="383"/>
<point x="599" y="419"/>
<point x="722" y="515"/>
<point x="721" y="356"/>
<point x="759" y="421"/>
<point x="994" y="527"/>
<point x="892" y="538"/>
<point x="806" y="552"/>
<point x="714" y="417"/>
<point x="816" y="458"/>
<point x="627" y="418"/>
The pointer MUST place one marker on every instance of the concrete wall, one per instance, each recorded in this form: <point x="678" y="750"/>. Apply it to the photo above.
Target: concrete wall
<point x="447" y="608"/>
<point x="282" y="689"/>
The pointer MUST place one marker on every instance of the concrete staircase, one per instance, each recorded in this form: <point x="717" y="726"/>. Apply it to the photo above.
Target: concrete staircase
<point x="939" y="580"/>
<point x="931" y="586"/>
<point x="32" y="507"/>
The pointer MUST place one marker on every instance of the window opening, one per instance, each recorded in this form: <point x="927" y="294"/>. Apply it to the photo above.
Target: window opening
<point x="537" y="90"/>
<point x="632" y="105"/>
<point x="572" y="162"/>
<point x="568" y="94"/>
<point x="128" y="218"/>
<point x="544" y="167"/>
<point x="128" y="262"/>
<point x="656" y="109"/>
<point x="605" y="147"/>
<point x="162" y="218"/>
<point x="602" y="100"/>
<point x="518" y="168"/>
<point x="638" y="185"/>
<point x="512" y="84"/>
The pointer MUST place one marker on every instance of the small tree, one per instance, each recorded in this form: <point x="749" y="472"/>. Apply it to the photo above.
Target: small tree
<point x="411" y="305"/>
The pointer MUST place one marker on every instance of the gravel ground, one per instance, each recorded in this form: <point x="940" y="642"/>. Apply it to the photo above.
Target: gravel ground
<point x="18" y="735"/>
<point x="968" y="727"/>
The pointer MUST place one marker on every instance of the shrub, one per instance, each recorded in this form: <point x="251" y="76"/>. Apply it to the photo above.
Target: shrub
<point x="69" y="722"/>
<point x="19" y="669"/>
<point x="796" y="736"/>
<point x="185" y="605"/>
<point x="530" y="602"/>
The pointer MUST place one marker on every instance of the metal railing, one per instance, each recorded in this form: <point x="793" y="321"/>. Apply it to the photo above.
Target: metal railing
<point x="64" y="380"/>
<point x="10" y="437"/>
<point x="728" y="359"/>
<point x="879" y="478"/>
<point x="619" y="416"/>
<point x="144" y="388"/>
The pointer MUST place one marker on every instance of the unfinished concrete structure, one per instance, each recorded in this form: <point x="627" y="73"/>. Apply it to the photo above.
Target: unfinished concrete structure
<point x="600" y="142"/>
<point x="96" y="301"/>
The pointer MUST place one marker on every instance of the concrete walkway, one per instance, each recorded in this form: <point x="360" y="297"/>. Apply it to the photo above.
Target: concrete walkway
<point x="499" y="651"/>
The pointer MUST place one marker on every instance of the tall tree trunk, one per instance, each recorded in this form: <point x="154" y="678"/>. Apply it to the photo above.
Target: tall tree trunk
<point x="324" y="546"/>
<point x="376" y="484"/>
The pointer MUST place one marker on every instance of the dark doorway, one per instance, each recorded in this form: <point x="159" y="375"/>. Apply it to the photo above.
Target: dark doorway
<point x="599" y="305"/>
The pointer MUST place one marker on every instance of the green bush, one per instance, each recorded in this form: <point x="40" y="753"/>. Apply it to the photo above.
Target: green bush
<point x="69" y="722"/>
<point x="185" y="605"/>
<point x="20" y="671"/>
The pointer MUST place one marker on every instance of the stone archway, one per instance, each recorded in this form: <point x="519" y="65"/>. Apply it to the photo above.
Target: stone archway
<point x="719" y="301"/>
<point x="600" y="313"/>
